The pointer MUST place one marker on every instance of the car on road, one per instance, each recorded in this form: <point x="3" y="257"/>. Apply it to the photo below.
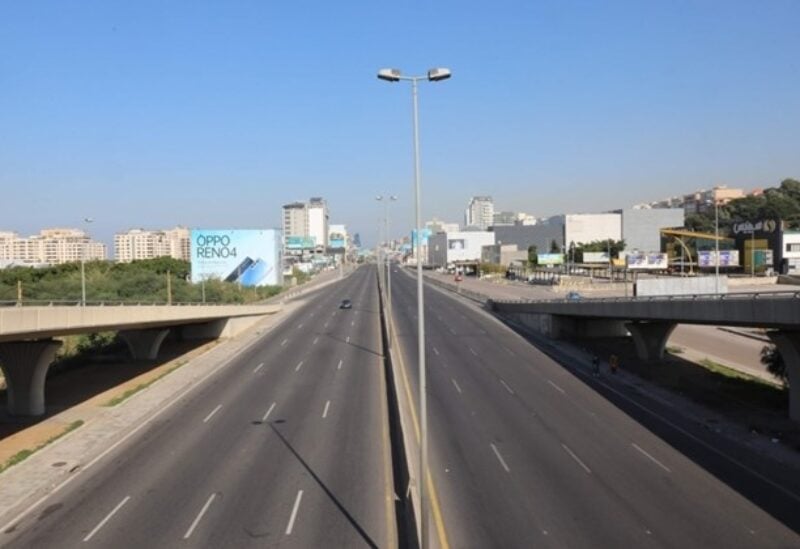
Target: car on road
<point x="459" y="278"/>
<point x="346" y="304"/>
<point x="573" y="296"/>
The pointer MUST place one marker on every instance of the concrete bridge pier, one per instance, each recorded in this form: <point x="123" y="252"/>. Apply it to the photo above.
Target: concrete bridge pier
<point x="25" y="365"/>
<point x="788" y="344"/>
<point x="144" y="344"/>
<point x="650" y="338"/>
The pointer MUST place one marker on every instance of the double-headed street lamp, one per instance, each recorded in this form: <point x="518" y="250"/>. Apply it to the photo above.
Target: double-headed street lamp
<point x="433" y="75"/>
<point x="386" y="200"/>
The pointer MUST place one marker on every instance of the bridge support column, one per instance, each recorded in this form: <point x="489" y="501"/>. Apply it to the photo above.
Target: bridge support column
<point x="24" y="365"/>
<point x="788" y="344"/>
<point x="144" y="344"/>
<point x="650" y="338"/>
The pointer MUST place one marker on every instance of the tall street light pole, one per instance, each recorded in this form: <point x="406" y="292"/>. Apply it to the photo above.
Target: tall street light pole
<point x="434" y="75"/>
<point x="86" y="220"/>
<point x="716" y="235"/>
<point x="386" y="200"/>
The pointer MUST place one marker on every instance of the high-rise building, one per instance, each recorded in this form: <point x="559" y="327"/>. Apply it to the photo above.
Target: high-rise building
<point x="479" y="212"/>
<point x="318" y="221"/>
<point x="295" y="221"/>
<point x="138" y="244"/>
<point x="50" y="246"/>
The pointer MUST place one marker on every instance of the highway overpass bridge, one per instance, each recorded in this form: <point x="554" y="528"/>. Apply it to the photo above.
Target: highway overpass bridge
<point x="27" y="344"/>
<point x="650" y="321"/>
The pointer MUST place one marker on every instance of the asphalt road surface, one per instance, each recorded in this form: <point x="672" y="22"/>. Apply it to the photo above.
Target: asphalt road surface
<point x="525" y="453"/>
<point x="288" y="446"/>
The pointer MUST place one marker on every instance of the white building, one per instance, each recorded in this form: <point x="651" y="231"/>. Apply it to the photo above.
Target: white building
<point x="295" y="221"/>
<point x="50" y="246"/>
<point x="790" y="247"/>
<point x="438" y="226"/>
<point x="479" y="212"/>
<point x="137" y="244"/>
<point x="445" y="249"/>
<point x="318" y="221"/>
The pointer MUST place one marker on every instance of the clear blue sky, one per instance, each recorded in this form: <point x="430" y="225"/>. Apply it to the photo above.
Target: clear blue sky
<point x="214" y="114"/>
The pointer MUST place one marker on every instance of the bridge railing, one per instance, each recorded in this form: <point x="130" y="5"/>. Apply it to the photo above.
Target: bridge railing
<point x="112" y="303"/>
<point x="739" y="296"/>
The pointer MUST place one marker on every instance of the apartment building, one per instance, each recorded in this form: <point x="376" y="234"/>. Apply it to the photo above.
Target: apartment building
<point x="137" y="244"/>
<point x="50" y="246"/>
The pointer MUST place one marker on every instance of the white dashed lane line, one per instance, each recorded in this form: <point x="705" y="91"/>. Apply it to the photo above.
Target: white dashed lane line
<point x="556" y="387"/>
<point x="654" y="460"/>
<point x="214" y="411"/>
<point x="299" y="365"/>
<point x="107" y="518"/>
<point x="258" y="367"/>
<point x="576" y="458"/>
<point x="325" y="411"/>
<point x="500" y="458"/>
<point x="272" y="407"/>
<point x="509" y="389"/>
<point x="199" y="516"/>
<point x="297" y="500"/>
<point x="456" y="385"/>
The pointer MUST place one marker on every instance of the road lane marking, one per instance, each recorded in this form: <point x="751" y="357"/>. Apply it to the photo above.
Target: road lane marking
<point x="508" y="350"/>
<point x="339" y="367"/>
<point x="452" y="331"/>
<point x="199" y="516"/>
<point x="471" y="350"/>
<point x="326" y="324"/>
<point x="456" y="384"/>
<point x="272" y="406"/>
<point x="559" y="389"/>
<point x="284" y="342"/>
<point x="347" y="340"/>
<point x="315" y="341"/>
<point x="299" y="365"/>
<point x="258" y="367"/>
<point x="509" y="389"/>
<point x="667" y="469"/>
<point x="500" y="458"/>
<point x="214" y="411"/>
<point x="299" y="325"/>
<point x="325" y="411"/>
<point x="294" y="513"/>
<point x="436" y="351"/>
<point x="108" y="517"/>
<point x="576" y="458"/>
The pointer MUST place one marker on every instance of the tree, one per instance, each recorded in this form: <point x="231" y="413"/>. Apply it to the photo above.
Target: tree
<point x="772" y="359"/>
<point x="554" y="248"/>
<point x="533" y="255"/>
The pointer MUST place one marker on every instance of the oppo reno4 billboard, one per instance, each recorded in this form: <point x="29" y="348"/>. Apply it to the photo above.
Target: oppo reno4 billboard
<point x="246" y="257"/>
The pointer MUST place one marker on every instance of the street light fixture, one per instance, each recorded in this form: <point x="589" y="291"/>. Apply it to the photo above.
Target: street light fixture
<point x="86" y="220"/>
<point x="434" y="75"/>
<point x="388" y="198"/>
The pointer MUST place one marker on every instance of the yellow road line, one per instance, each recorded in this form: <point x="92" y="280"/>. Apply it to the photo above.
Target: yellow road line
<point x="434" y="498"/>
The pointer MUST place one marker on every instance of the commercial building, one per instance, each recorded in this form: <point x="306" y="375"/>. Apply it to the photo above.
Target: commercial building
<point x="318" y="221"/>
<point x="790" y="248"/>
<point x="295" y="221"/>
<point x="503" y="254"/>
<point x="479" y="212"/>
<point x="137" y="244"/>
<point x="641" y="227"/>
<point x="50" y="246"/>
<point x="512" y="218"/>
<point x="521" y="236"/>
<point x="439" y="226"/>
<point x="446" y="249"/>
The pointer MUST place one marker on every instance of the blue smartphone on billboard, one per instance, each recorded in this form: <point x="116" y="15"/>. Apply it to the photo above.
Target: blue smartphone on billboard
<point x="255" y="273"/>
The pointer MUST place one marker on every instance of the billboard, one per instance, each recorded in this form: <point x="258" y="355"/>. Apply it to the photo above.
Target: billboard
<point x="336" y="240"/>
<point x="456" y="244"/>
<point x="651" y="261"/>
<point x="426" y="233"/>
<point x="595" y="257"/>
<point x="247" y="257"/>
<point x="727" y="258"/>
<point x="550" y="259"/>
<point x="299" y="243"/>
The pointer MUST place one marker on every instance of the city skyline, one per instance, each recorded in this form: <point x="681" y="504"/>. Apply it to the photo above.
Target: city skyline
<point x="550" y="109"/>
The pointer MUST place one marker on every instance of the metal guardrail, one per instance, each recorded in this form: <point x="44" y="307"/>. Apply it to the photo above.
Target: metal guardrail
<point x="77" y="303"/>
<point x="743" y="296"/>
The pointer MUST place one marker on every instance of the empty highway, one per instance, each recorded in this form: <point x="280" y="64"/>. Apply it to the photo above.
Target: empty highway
<point x="525" y="453"/>
<point x="288" y="446"/>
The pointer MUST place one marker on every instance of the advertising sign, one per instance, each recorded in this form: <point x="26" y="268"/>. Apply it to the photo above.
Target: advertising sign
<point x="456" y="244"/>
<point x="299" y="243"/>
<point x="595" y="257"/>
<point x="651" y="261"/>
<point x="336" y="240"/>
<point x="426" y="233"/>
<point x="550" y="259"/>
<point x="758" y="226"/>
<point x="247" y="257"/>
<point x="727" y="258"/>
